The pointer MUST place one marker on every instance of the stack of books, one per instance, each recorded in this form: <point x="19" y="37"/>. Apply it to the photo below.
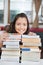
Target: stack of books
<point x="28" y="51"/>
<point x="31" y="40"/>
<point x="30" y="48"/>
<point x="11" y="51"/>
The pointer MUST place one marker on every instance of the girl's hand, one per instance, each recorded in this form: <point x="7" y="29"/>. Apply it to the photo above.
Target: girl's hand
<point x="32" y="33"/>
<point x="3" y="36"/>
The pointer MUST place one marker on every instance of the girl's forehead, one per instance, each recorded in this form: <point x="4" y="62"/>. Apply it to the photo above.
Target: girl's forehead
<point x="21" y="19"/>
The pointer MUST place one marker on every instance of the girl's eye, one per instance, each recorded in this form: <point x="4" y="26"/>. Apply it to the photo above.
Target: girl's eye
<point x="24" y="24"/>
<point x="18" y="24"/>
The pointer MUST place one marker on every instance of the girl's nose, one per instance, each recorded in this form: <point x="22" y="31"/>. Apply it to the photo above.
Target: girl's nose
<point x="21" y="26"/>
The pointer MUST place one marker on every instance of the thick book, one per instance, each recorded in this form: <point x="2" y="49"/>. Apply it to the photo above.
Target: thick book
<point x="30" y="56"/>
<point x="14" y="37"/>
<point x="31" y="40"/>
<point x="29" y="36"/>
<point x="30" y="49"/>
<point x="31" y="44"/>
<point x="13" y="53"/>
<point x="30" y="53"/>
<point x="15" y="42"/>
<point x="10" y="58"/>
<point x="10" y="49"/>
<point x="12" y="46"/>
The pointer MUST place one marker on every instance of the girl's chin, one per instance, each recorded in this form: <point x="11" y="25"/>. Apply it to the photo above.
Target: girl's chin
<point x="20" y="33"/>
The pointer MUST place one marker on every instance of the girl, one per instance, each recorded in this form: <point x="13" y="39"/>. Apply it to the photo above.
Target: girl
<point x="20" y="25"/>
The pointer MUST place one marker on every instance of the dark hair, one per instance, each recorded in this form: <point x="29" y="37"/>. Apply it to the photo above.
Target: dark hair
<point x="12" y="25"/>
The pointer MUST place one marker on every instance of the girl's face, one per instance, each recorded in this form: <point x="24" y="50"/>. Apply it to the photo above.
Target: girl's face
<point x="21" y="25"/>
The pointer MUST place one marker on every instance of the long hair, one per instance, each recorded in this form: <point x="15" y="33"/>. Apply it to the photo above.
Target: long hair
<point x="12" y="25"/>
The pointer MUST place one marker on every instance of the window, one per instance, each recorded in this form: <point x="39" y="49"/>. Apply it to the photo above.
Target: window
<point x="1" y="11"/>
<point x="20" y="6"/>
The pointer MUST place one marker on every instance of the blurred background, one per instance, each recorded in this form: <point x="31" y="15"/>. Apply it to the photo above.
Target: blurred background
<point x="32" y="8"/>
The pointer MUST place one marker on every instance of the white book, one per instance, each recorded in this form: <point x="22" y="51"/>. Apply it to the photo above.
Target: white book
<point x="12" y="46"/>
<point x="30" y="56"/>
<point x="30" y="49"/>
<point x="27" y="36"/>
<point x="35" y="50"/>
<point x="11" y="40"/>
<point x="10" y="49"/>
<point x="30" y="52"/>
<point x="13" y="53"/>
<point x="31" y="44"/>
<point x="30" y="59"/>
<point x="11" y="43"/>
<point x="10" y="58"/>
<point x="14" y="37"/>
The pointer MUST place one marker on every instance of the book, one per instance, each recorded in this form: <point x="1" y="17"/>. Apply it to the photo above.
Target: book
<point x="27" y="36"/>
<point x="30" y="53"/>
<point x="31" y="40"/>
<point x="10" y="58"/>
<point x="30" y="56"/>
<point x="30" y="48"/>
<point x="11" y="43"/>
<point x="12" y="46"/>
<point x="10" y="52"/>
<point x="31" y="44"/>
<point x="12" y="49"/>
<point x="14" y="37"/>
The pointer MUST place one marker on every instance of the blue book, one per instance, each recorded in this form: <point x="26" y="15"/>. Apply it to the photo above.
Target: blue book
<point x="25" y="49"/>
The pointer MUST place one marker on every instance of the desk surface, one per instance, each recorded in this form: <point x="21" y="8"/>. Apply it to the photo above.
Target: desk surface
<point x="23" y="63"/>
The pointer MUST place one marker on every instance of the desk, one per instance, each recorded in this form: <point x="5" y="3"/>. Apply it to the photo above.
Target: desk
<point x="23" y="63"/>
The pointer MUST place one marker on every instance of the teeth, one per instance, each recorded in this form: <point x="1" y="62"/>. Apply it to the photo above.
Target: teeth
<point x="21" y="30"/>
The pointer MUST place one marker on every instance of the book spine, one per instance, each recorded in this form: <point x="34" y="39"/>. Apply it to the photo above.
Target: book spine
<point x="20" y="58"/>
